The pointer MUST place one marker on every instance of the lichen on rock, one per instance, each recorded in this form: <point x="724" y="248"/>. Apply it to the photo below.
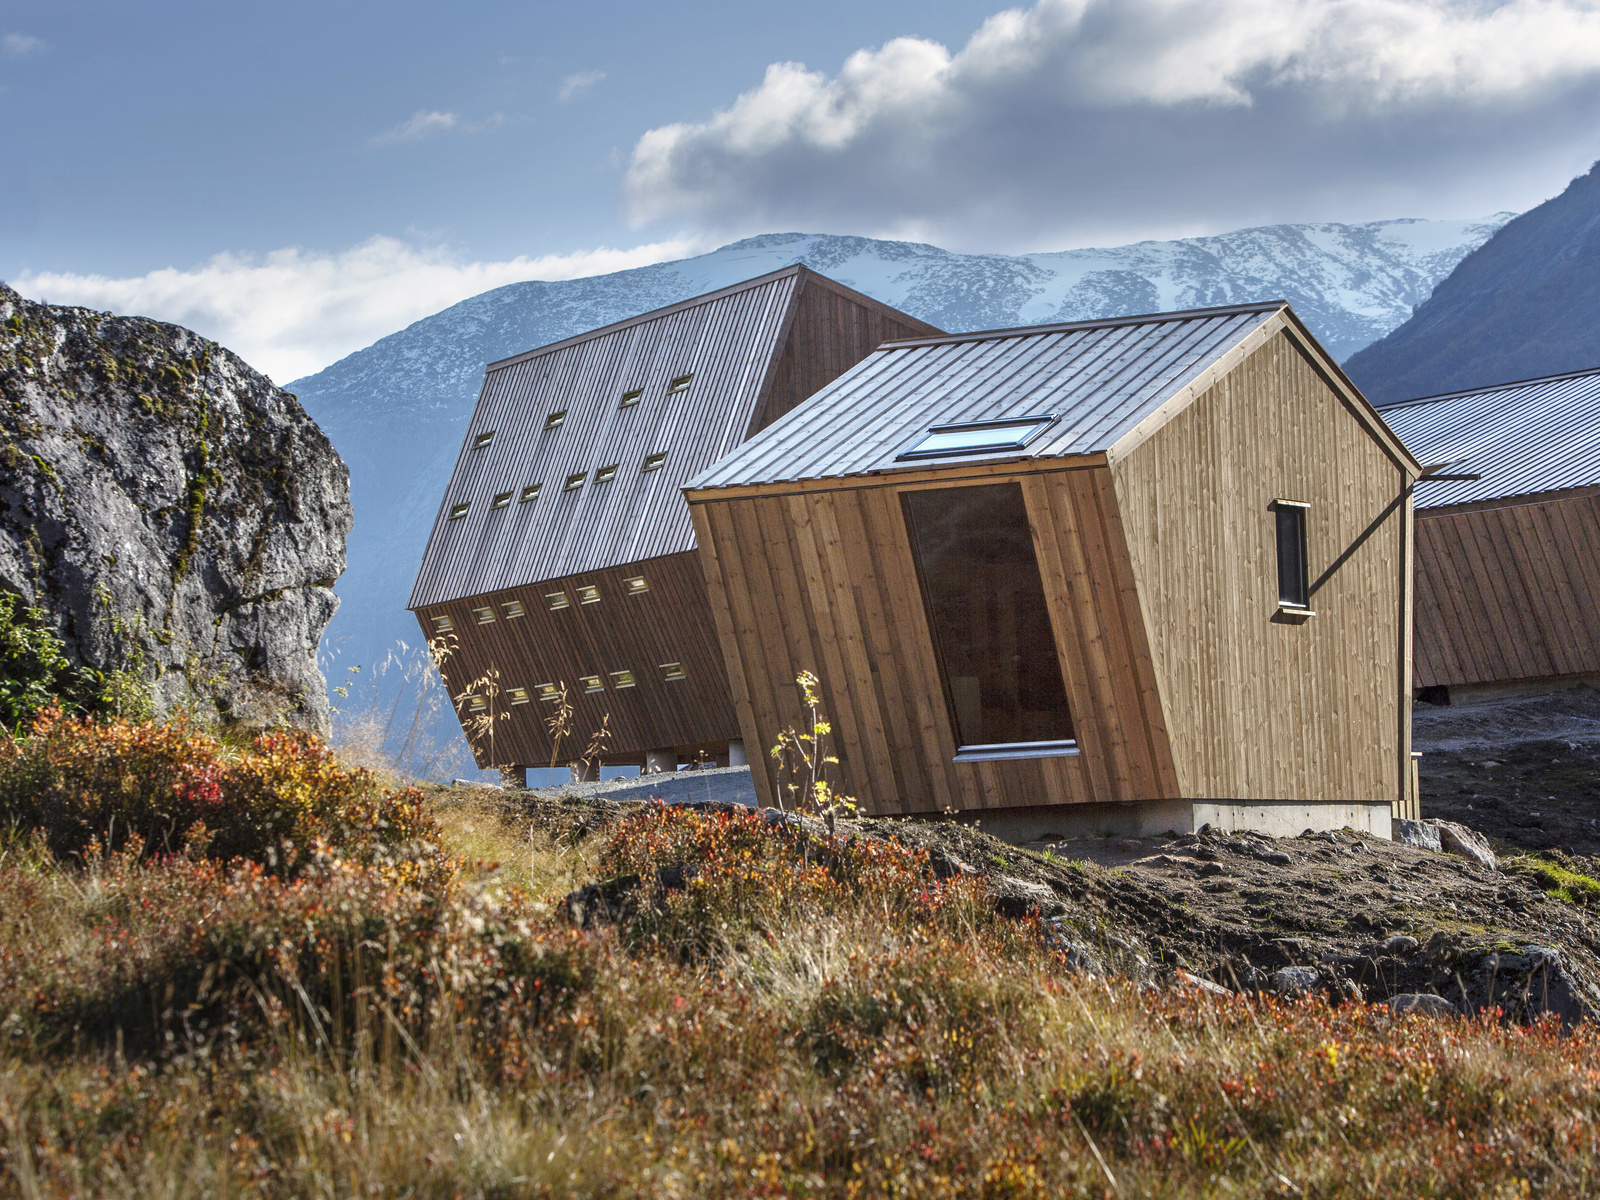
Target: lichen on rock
<point x="180" y="518"/>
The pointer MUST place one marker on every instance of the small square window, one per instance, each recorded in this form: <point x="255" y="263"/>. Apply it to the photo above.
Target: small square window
<point x="558" y="600"/>
<point x="556" y="419"/>
<point x="588" y="594"/>
<point x="635" y="585"/>
<point x="442" y="624"/>
<point x="606" y="474"/>
<point x="574" y="482"/>
<point x="477" y="704"/>
<point x="484" y="616"/>
<point x="518" y="695"/>
<point x="654" y="462"/>
<point x="679" y="384"/>
<point x="673" y="671"/>
<point x="531" y="492"/>
<point x="501" y="500"/>
<point x="513" y="608"/>
<point x="623" y="679"/>
<point x="482" y="440"/>
<point x="549" y="693"/>
<point x="457" y="511"/>
<point x="592" y="683"/>
<point x="630" y="397"/>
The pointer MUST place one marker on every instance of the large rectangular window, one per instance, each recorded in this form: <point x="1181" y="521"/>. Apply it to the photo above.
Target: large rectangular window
<point x="1293" y="586"/>
<point x="991" y="630"/>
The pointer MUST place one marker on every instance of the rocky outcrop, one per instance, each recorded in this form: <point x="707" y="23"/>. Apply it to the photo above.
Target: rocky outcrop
<point x="179" y="518"/>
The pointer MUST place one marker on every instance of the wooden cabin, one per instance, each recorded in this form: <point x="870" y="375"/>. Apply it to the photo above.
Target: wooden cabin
<point x="1128" y="575"/>
<point x="562" y="560"/>
<point x="1508" y="536"/>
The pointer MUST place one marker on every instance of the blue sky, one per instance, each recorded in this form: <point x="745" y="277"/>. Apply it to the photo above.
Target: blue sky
<point x="298" y="179"/>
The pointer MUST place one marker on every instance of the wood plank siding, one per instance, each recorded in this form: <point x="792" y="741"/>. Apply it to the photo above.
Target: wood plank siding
<point x="643" y="405"/>
<point x="1508" y="590"/>
<point x="822" y="578"/>
<point x="1259" y="707"/>
<point x="621" y="631"/>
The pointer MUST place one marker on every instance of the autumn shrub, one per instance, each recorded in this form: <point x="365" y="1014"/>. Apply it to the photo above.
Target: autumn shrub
<point x="166" y="786"/>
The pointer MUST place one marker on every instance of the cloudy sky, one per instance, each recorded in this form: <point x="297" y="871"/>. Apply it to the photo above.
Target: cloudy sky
<point x="298" y="179"/>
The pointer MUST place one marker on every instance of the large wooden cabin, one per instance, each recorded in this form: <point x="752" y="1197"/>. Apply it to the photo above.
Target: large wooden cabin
<point x="1134" y="574"/>
<point x="1508" y="536"/>
<point x="562" y="559"/>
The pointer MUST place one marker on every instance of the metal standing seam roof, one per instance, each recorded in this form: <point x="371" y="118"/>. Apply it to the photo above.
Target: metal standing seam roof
<point x="725" y="340"/>
<point x="1526" y="437"/>
<point x="1098" y="379"/>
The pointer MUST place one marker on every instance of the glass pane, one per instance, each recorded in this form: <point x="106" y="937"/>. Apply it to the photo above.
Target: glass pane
<point x="1292" y="556"/>
<point x="974" y="439"/>
<point x="985" y="602"/>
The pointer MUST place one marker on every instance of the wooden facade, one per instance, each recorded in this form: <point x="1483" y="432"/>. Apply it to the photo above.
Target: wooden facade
<point x="1508" y="590"/>
<point x="1185" y="679"/>
<point x="568" y="484"/>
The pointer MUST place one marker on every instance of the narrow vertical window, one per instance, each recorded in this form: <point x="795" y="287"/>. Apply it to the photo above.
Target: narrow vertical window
<point x="991" y="629"/>
<point x="1294" y="589"/>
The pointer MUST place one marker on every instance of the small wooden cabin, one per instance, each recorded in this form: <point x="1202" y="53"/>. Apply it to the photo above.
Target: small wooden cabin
<point x="1508" y="536"/>
<point x="562" y="559"/>
<point x="1134" y="574"/>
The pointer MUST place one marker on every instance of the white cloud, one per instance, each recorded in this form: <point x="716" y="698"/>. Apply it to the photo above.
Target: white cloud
<point x="20" y="45"/>
<point x="292" y="312"/>
<point x="1078" y="116"/>
<point x="423" y="124"/>
<point x="577" y="84"/>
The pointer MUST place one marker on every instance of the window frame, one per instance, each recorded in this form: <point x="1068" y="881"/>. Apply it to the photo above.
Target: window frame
<point x="1290" y="517"/>
<point x="1035" y="424"/>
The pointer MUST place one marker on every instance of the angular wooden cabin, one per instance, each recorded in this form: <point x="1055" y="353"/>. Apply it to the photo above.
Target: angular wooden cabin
<point x="563" y="554"/>
<point x="1124" y="575"/>
<point x="1508" y="536"/>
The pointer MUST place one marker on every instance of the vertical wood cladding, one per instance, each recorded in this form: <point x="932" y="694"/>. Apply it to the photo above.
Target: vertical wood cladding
<point x="1508" y="590"/>
<point x="620" y="632"/>
<point x="830" y="331"/>
<point x="823" y="579"/>
<point x="1259" y="707"/>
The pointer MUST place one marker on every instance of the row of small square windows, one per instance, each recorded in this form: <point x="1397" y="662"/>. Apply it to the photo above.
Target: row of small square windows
<point x="652" y="462"/>
<point x="588" y="593"/>
<point x="559" y="418"/>
<point x="549" y="693"/>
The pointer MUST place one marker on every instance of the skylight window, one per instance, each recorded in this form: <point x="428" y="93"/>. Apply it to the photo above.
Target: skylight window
<point x="680" y="384"/>
<point x="606" y="474"/>
<point x="556" y="419"/>
<point x="513" y="608"/>
<point x="558" y="600"/>
<point x="443" y="624"/>
<point x="655" y="462"/>
<point x="484" y="616"/>
<point x="457" y="511"/>
<point x="630" y="397"/>
<point x="518" y="695"/>
<point x="592" y="683"/>
<point x="588" y="594"/>
<point x="636" y="585"/>
<point x="574" y="482"/>
<point x="482" y="440"/>
<point x="673" y="671"/>
<point x="501" y="500"/>
<point x="976" y="437"/>
<point x="623" y="679"/>
<point x="549" y="693"/>
<point x="477" y="704"/>
<point x="531" y="492"/>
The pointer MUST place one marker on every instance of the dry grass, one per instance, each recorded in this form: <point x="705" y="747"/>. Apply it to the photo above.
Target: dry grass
<point x="794" y="1021"/>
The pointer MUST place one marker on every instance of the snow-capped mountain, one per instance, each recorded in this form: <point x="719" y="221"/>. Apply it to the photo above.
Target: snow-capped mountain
<point x="396" y="410"/>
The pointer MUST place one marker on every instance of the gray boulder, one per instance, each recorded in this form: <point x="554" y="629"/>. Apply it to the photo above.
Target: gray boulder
<point x="1294" y="982"/>
<point x="1416" y="833"/>
<point x="1422" y="1005"/>
<point x="1463" y="842"/>
<point x="1529" y="984"/>
<point x="178" y="517"/>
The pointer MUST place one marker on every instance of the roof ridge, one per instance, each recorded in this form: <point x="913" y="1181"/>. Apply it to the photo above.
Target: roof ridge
<point x="797" y="269"/>
<point x="1183" y="314"/>
<point x="1493" y="387"/>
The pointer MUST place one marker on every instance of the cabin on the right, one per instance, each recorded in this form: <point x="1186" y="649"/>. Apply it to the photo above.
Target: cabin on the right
<point x="1507" y="553"/>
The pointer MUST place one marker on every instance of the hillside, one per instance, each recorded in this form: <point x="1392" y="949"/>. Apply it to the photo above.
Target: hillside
<point x="396" y="409"/>
<point x="1522" y="305"/>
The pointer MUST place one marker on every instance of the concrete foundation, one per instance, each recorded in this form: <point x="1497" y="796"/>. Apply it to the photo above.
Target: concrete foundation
<point x="514" y="777"/>
<point x="1274" y="818"/>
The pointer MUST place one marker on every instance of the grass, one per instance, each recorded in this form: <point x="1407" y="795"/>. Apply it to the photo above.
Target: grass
<point x="768" y="1018"/>
<point x="1554" y="873"/>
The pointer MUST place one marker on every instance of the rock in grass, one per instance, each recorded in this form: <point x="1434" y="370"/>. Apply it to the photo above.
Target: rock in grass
<point x="1464" y="843"/>
<point x="1422" y="1005"/>
<point x="1294" y="982"/>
